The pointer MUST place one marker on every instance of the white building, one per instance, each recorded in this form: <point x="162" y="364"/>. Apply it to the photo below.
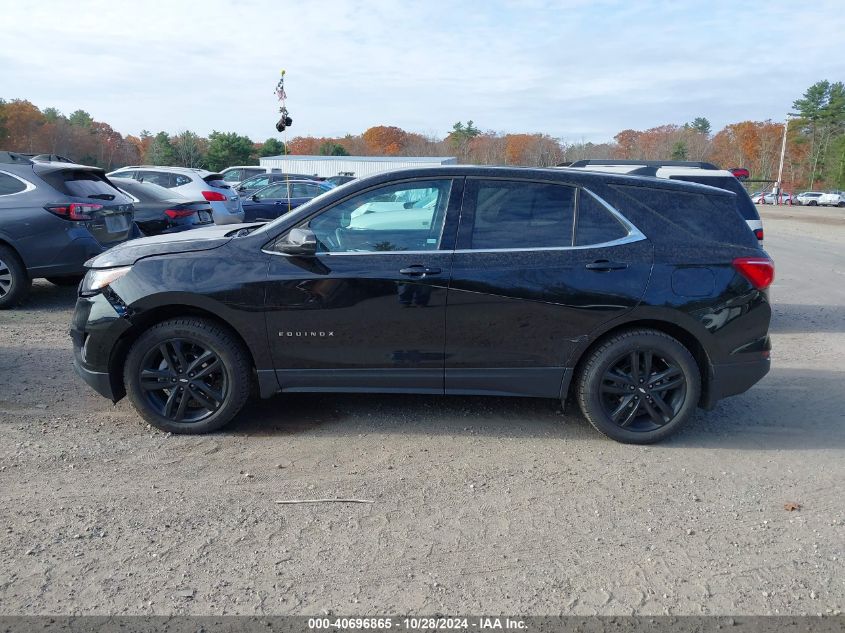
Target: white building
<point x="358" y="166"/>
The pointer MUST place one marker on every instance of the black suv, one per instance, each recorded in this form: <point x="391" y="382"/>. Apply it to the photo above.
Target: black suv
<point x="54" y="215"/>
<point x="640" y="298"/>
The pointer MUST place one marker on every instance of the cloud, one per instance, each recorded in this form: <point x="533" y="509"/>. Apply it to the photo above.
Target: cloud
<point x="574" y="69"/>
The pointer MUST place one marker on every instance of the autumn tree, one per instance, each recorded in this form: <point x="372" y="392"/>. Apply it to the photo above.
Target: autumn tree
<point x="386" y="140"/>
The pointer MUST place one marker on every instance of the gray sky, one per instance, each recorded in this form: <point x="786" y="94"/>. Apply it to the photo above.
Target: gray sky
<point x="576" y="69"/>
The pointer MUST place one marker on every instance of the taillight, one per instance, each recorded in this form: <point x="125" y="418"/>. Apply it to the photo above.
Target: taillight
<point x="178" y="213"/>
<point x="760" y="271"/>
<point x="758" y="233"/>
<point x="73" y="210"/>
<point x="214" y="196"/>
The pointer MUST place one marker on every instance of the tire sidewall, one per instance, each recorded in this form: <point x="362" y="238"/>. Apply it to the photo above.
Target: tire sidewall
<point x="589" y="393"/>
<point x="213" y="338"/>
<point x="20" y="279"/>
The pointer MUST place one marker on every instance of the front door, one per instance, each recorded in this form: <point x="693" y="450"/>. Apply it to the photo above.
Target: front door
<point x="367" y="313"/>
<point x="530" y="283"/>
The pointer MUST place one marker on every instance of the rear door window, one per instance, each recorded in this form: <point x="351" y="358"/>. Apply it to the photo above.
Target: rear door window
<point x="520" y="214"/>
<point x="179" y="180"/>
<point x="160" y="178"/>
<point x="10" y="185"/>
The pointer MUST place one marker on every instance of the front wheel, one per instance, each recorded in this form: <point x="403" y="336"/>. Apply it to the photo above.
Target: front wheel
<point x="639" y="386"/>
<point x="187" y="376"/>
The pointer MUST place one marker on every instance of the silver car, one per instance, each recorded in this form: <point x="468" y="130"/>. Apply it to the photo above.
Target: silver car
<point x="194" y="184"/>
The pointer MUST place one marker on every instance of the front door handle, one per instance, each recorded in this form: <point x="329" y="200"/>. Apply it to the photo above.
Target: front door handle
<point x="418" y="270"/>
<point x="605" y="265"/>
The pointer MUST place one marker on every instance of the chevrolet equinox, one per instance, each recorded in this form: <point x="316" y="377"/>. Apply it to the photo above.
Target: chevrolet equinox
<point x="639" y="298"/>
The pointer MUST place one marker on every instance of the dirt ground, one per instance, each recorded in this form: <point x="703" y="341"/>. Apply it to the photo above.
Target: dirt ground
<point x="480" y="505"/>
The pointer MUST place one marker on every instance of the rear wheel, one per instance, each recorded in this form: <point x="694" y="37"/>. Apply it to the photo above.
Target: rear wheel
<point x="187" y="376"/>
<point x="812" y="203"/>
<point x="639" y="386"/>
<point x="14" y="280"/>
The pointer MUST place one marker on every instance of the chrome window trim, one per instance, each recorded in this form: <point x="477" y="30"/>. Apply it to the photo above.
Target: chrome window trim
<point x="28" y="186"/>
<point x="634" y="235"/>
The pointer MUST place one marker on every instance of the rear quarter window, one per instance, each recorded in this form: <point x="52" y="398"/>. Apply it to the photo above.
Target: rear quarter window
<point x="10" y="185"/>
<point x="744" y="204"/>
<point x="703" y="217"/>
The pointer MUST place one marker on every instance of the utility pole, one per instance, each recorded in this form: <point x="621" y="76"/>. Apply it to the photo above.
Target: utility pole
<point x="779" y="183"/>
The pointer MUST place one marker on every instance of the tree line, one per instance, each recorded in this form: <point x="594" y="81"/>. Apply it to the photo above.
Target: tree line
<point x="815" y="155"/>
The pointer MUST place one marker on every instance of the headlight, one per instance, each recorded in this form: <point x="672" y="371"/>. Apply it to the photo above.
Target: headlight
<point x="96" y="280"/>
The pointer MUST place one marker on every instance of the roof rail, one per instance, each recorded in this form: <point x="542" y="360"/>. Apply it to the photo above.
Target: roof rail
<point x="643" y="163"/>
<point x="14" y="158"/>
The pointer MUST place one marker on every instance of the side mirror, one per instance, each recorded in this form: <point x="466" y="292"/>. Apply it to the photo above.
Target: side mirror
<point x="254" y="197"/>
<point x="300" y="242"/>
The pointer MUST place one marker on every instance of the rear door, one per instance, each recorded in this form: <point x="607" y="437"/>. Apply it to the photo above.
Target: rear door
<point x="538" y="267"/>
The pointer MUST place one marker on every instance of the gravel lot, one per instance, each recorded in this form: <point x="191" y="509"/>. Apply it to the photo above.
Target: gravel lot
<point x="480" y="505"/>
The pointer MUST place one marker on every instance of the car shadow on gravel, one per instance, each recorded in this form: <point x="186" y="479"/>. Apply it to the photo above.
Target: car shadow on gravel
<point x="789" y="318"/>
<point x="46" y="297"/>
<point x="789" y="410"/>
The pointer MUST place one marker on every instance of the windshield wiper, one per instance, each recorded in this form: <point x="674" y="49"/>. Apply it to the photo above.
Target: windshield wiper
<point x="102" y="196"/>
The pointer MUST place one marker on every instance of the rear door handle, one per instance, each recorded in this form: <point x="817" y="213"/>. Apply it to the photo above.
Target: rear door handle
<point x="418" y="270"/>
<point x="605" y="265"/>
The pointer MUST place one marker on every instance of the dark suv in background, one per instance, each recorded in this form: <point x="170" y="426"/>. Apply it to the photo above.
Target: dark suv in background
<point x="55" y="215"/>
<point x="640" y="298"/>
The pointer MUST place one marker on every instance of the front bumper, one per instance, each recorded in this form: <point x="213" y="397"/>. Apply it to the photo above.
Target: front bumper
<point x="96" y="331"/>
<point x="730" y="379"/>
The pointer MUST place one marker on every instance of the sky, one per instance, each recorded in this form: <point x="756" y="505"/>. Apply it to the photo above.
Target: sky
<point x="579" y="70"/>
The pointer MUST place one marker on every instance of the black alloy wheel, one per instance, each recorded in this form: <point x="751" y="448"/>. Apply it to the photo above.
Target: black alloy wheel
<point x="643" y="390"/>
<point x="188" y="375"/>
<point x="183" y="380"/>
<point x="638" y="386"/>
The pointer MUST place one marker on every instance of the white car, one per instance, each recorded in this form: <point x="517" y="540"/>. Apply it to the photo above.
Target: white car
<point x="808" y="198"/>
<point x="195" y="184"/>
<point x="235" y="175"/>
<point x="832" y="199"/>
<point x="770" y="198"/>
<point x="689" y="171"/>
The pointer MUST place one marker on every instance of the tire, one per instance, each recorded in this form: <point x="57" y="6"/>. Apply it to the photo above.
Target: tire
<point x="72" y="280"/>
<point x="841" y="204"/>
<point x="812" y="203"/>
<point x="630" y="417"/>
<point x="201" y="385"/>
<point x="14" y="280"/>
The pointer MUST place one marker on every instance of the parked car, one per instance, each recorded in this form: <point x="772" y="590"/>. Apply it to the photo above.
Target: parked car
<point x="639" y="298"/>
<point x="159" y="210"/>
<point x="53" y="217"/>
<point x="275" y="200"/>
<point x="689" y="171"/>
<point x="251" y="185"/>
<point x="193" y="184"/>
<point x="233" y="176"/>
<point x="832" y="199"/>
<point x="808" y="198"/>
<point x="770" y="197"/>
<point x="339" y="179"/>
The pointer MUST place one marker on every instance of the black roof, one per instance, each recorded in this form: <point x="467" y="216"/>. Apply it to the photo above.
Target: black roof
<point x="580" y="177"/>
